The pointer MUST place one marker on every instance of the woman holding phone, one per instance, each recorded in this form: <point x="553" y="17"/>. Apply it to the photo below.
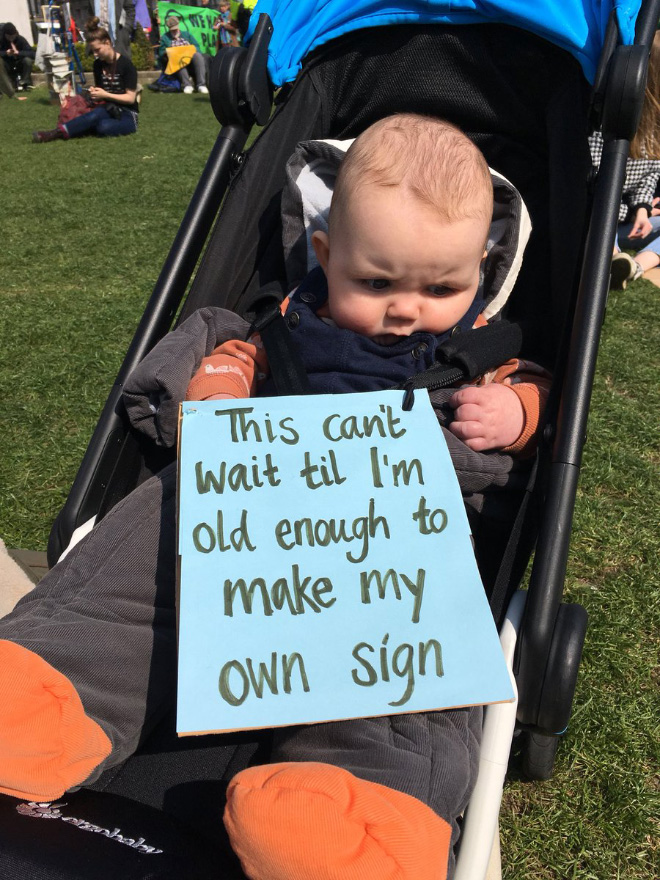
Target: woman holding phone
<point x="114" y="94"/>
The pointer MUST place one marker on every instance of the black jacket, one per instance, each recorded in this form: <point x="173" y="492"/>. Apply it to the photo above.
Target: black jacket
<point x="25" y="50"/>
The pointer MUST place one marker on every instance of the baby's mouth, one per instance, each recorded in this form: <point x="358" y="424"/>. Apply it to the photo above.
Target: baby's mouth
<point x="389" y="338"/>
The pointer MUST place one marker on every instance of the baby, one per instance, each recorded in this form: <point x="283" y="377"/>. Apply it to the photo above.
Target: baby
<point x="401" y="269"/>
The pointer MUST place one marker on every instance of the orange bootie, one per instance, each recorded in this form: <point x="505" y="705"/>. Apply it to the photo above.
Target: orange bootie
<point x="47" y="743"/>
<point x="309" y="821"/>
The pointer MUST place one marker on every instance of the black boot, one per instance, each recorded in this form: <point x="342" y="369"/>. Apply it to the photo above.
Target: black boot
<point x="42" y="137"/>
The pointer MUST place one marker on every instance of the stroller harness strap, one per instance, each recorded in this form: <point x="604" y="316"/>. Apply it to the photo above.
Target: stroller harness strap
<point x="467" y="355"/>
<point x="286" y="366"/>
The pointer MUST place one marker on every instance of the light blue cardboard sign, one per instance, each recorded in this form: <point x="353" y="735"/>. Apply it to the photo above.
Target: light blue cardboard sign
<point x="326" y="566"/>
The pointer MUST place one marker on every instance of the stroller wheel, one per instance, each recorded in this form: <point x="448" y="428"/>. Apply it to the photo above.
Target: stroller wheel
<point x="539" y="754"/>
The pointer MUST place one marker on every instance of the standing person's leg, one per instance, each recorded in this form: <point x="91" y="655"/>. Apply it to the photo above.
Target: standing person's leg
<point x="123" y="42"/>
<point x="88" y="658"/>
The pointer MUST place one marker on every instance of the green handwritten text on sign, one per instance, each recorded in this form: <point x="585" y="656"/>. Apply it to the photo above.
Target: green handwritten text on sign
<point x="326" y="565"/>
<point x="196" y="20"/>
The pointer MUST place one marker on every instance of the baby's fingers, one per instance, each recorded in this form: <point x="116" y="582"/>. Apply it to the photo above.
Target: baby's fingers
<point x="467" y="394"/>
<point x="468" y="412"/>
<point x="471" y="433"/>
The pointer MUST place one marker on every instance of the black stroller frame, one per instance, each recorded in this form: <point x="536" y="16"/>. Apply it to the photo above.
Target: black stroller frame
<point x="551" y="633"/>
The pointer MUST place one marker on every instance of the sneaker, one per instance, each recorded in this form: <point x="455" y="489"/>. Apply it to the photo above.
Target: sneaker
<point x="188" y="90"/>
<point x="623" y="270"/>
<point x="202" y="90"/>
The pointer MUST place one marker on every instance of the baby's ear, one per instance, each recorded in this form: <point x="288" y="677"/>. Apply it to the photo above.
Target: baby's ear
<point x="321" y="245"/>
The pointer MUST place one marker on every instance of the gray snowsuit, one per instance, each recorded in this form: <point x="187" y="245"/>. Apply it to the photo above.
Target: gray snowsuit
<point x="105" y="615"/>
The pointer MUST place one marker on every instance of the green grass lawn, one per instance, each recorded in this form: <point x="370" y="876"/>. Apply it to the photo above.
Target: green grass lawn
<point x="92" y="223"/>
<point x="85" y="230"/>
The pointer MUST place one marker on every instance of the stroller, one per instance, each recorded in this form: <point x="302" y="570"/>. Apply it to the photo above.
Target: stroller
<point x="474" y="71"/>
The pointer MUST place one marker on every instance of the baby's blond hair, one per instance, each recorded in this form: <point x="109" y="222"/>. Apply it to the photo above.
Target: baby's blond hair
<point x="428" y="158"/>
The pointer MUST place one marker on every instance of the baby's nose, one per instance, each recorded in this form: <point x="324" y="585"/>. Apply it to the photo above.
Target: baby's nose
<point x="404" y="308"/>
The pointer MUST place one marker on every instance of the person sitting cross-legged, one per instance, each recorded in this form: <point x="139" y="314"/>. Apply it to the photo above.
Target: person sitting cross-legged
<point x="174" y="36"/>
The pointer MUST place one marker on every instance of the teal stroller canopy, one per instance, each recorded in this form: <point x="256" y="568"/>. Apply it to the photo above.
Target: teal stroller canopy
<point x="576" y="25"/>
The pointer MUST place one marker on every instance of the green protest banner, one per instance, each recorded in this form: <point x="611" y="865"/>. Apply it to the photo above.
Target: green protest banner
<point x="197" y="21"/>
<point x="326" y="566"/>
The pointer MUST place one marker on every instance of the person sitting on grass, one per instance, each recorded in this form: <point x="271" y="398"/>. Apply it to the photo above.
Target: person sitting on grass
<point x="174" y="36"/>
<point x="639" y="218"/>
<point x="17" y="57"/>
<point x="400" y="270"/>
<point x="114" y="92"/>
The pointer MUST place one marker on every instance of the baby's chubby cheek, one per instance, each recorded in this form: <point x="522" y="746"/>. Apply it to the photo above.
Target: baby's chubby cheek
<point x="353" y="316"/>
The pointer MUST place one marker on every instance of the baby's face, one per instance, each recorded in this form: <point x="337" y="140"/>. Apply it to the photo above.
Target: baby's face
<point x="395" y="268"/>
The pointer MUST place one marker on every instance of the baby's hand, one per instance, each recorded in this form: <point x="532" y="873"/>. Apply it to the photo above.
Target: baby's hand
<point x="487" y="417"/>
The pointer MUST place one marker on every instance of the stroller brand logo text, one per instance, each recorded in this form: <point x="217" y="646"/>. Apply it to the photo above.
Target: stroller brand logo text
<point x="48" y="810"/>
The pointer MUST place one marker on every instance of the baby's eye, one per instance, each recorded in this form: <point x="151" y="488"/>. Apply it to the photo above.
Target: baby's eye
<point x="439" y="290"/>
<point x="376" y="283"/>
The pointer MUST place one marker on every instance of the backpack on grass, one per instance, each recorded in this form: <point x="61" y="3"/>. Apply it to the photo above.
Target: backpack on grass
<point x="166" y="83"/>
